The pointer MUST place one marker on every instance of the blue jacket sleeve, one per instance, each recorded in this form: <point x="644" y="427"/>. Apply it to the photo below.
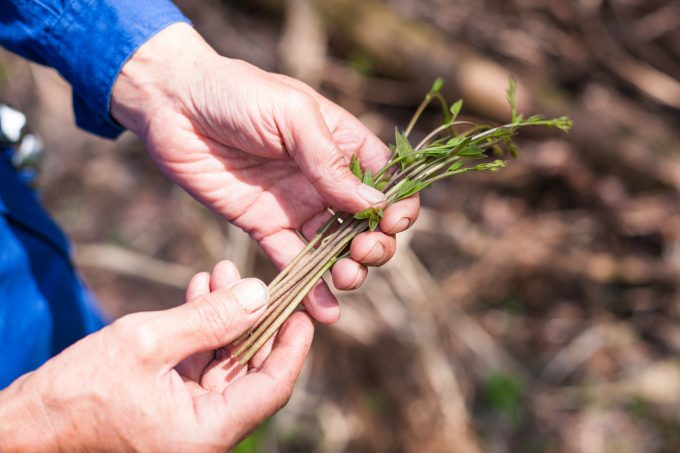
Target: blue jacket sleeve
<point x="87" y="41"/>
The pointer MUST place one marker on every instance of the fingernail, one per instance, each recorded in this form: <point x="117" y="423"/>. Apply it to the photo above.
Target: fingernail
<point x="251" y="294"/>
<point x="358" y="279"/>
<point x="403" y="224"/>
<point x="370" y="195"/>
<point x="376" y="254"/>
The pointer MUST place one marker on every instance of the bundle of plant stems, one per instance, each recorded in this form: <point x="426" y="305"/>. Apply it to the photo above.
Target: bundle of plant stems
<point x="453" y="148"/>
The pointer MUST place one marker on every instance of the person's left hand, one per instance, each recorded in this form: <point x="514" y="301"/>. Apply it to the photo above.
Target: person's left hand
<point x="215" y="370"/>
<point x="162" y="380"/>
<point x="264" y="150"/>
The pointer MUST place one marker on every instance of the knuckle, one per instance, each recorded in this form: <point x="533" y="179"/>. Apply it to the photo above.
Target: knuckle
<point x="330" y="170"/>
<point x="337" y="163"/>
<point x="299" y="101"/>
<point x="136" y="331"/>
<point x="214" y="318"/>
<point x="299" y="84"/>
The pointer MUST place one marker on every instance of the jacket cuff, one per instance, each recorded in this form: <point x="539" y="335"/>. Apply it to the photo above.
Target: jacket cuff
<point x="92" y="41"/>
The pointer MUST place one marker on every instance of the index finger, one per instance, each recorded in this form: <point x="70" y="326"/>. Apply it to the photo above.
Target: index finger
<point x="350" y="134"/>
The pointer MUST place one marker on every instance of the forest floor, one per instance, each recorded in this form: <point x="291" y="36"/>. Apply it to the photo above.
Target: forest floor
<point x="534" y="309"/>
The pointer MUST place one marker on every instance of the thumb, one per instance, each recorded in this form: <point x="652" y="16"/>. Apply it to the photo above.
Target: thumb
<point x="209" y="321"/>
<point x="311" y="145"/>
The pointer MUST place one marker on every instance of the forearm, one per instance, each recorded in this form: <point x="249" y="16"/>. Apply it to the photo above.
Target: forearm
<point x="22" y="424"/>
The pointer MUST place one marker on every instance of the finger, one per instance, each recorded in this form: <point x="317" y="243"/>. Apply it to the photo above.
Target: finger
<point x="213" y="320"/>
<point x="373" y="248"/>
<point x="222" y="371"/>
<point x="321" y="304"/>
<point x="310" y="227"/>
<point x="282" y="247"/>
<point x="400" y="216"/>
<point x="192" y="367"/>
<point x="225" y="369"/>
<point x="350" y="134"/>
<point x="348" y="274"/>
<point x="196" y="366"/>
<point x="251" y="399"/>
<point x="353" y="138"/>
<point x="261" y="355"/>
<point x="198" y="285"/>
<point x="224" y="274"/>
<point x="192" y="387"/>
<point x="309" y="142"/>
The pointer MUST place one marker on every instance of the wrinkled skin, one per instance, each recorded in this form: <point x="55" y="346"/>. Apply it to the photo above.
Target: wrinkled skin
<point x="270" y="155"/>
<point x="264" y="150"/>
<point x="154" y="382"/>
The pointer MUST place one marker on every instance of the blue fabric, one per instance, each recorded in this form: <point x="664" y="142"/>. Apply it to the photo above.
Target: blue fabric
<point x="44" y="305"/>
<point x="87" y="41"/>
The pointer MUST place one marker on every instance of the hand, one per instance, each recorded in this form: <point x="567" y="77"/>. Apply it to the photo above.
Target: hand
<point x="264" y="150"/>
<point x="121" y="389"/>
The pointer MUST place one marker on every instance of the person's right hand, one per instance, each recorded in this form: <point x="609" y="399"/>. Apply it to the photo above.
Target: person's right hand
<point x="153" y="381"/>
<point x="264" y="150"/>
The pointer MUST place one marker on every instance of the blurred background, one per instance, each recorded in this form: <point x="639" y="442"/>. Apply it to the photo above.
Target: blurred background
<point x="535" y="309"/>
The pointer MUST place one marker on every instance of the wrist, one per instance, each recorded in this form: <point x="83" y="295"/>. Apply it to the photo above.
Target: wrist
<point x="23" y="426"/>
<point x="157" y="76"/>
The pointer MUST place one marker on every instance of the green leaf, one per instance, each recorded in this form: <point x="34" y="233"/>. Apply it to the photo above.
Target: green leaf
<point x="439" y="142"/>
<point x="406" y="187"/>
<point x="384" y="180"/>
<point x="365" y="214"/>
<point x="410" y="187"/>
<point x="457" y="141"/>
<point x="435" y="150"/>
<point x="355" y="166"/>
<point x="403" y="145"/>
<point x="437" y="85"/>
<point x="368" y="178"/>
<point x="535" y="118"/>
<point x="404" y="148"/>
<point x="487" y="166"/>
<point x="456" y="166"/>
<point x="455" y="109"/>
<point x="372" y="214"/>
<point x="472" y="152"/>
<point x="490" y="166"/>
<point x="564" y="123"/>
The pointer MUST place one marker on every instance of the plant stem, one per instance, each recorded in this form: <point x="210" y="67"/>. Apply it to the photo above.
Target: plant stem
<point x="416" y="116"/>
<point x="305" y="266"/>
<point x="430" y="161"/>
<point x="272" y="321"/>
<point x="315" y="240"/>
<point x="263" y="337"/>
